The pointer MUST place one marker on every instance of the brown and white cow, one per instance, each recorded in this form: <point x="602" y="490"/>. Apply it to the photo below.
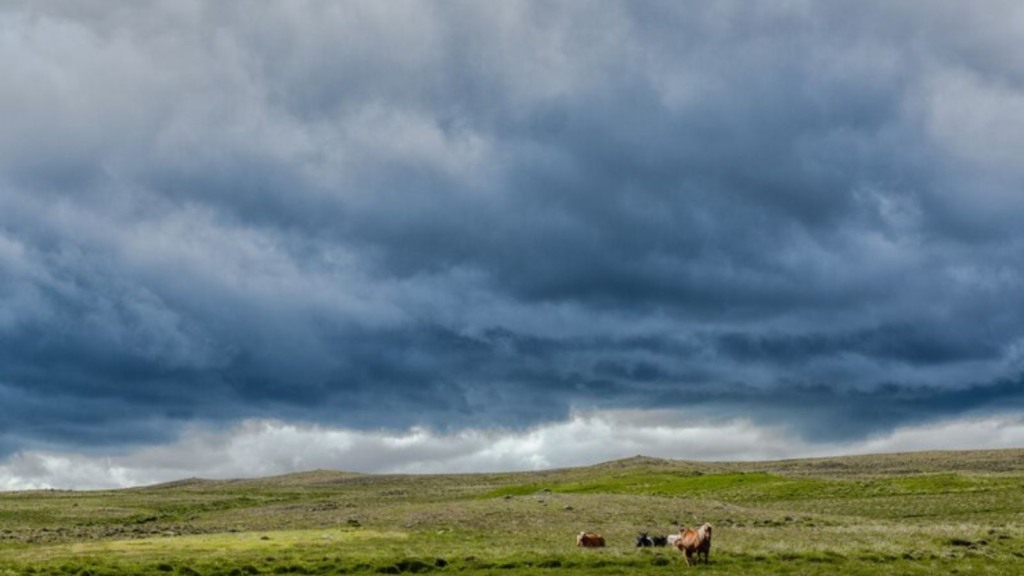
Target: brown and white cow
<point x="590" y="540"/>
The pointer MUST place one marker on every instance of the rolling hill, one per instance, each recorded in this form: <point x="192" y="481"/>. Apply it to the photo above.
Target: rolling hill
<point x="925" y="513"/>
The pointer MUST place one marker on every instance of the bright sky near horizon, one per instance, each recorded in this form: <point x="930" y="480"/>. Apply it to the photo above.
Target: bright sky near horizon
<point x="241" y="239"/>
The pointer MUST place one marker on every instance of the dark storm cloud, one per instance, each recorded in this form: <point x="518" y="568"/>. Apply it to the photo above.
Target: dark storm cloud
<point x="830" y="413"/>
<point x="920" y="345"/>
<point x="456" y="214"/>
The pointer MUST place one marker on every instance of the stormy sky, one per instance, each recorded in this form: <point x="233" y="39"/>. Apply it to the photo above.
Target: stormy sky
<point x="243" y="238"/>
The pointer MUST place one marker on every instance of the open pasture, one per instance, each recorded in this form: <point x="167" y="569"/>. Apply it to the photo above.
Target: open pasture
<point x="928" y="513"/>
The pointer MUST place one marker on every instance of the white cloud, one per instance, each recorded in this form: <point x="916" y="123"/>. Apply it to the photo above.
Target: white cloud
<point x="267" y="447"/>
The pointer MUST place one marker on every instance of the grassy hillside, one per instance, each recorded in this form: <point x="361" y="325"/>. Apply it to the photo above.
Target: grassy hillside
<point x="925" y="513"/>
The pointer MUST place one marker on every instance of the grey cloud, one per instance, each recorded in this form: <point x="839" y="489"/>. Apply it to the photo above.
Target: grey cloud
<point x="919" y="345"/>
<point x="830" y="414"/>
<point x="450" y="215"/>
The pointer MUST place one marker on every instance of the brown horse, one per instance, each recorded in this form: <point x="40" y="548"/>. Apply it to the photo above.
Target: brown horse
<point x="695" y="541"/>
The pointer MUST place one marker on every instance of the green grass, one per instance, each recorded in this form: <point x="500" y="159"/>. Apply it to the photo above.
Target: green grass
<point x="641" y="482"/>
<point x="930" y="513"/>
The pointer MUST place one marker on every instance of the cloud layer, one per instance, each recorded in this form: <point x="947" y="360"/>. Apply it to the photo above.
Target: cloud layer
<point x="455" y="216"/>
<point x="259" y="448"/>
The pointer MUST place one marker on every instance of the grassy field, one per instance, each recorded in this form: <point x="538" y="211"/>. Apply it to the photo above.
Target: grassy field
<point x="926" y="513"/>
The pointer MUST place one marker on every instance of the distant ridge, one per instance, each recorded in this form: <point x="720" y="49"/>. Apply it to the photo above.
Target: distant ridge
<point x="924" y="462"/>
<point x="1000" y="460"/>
<point x="183" y="483"/>
<point x="921" y="462"/>
<point x="637" y="461"/>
